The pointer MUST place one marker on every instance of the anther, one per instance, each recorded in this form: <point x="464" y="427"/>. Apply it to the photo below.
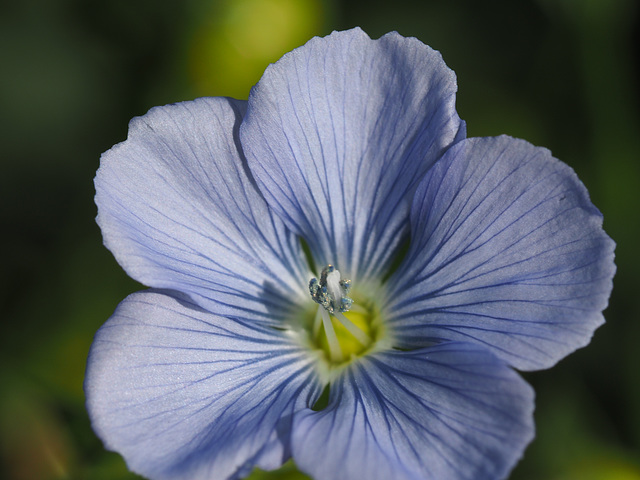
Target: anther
<point x="331" y="292"/>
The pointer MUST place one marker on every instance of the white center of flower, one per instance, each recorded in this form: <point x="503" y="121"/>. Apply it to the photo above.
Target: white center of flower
<point x="331" y="294"/>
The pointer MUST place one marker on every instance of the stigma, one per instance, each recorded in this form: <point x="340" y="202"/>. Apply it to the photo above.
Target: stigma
<point x="344" y="336"/>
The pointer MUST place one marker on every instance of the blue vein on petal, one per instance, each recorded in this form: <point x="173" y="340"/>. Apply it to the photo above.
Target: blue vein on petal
<point x="247" y="245"/>
<point x="467" y="251"/>
<point x="487" y="227"/>
<point x="437" y="412"/>
<point x="268" y="355"/>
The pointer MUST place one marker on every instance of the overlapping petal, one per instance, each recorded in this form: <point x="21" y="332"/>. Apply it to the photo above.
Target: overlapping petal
<point x="452" y="411"/>
<point x="178" y="210"/>
<point x="338" y="133"/>
<point x="184" y="394"/>
<point x="506" y="250"/>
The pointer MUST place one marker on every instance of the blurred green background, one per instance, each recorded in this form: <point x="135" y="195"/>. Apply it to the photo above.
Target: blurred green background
<point x="559" y="73"/>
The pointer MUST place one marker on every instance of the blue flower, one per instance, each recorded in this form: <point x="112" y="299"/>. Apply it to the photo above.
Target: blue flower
<point x="337" y="233"/>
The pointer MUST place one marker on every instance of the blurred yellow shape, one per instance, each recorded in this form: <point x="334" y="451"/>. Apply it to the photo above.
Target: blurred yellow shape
<point x="237" y="39"/>
<point x="604" y="468"/>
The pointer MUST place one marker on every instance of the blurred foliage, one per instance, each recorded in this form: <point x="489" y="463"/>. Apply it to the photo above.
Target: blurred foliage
<point x="559" y="73"/>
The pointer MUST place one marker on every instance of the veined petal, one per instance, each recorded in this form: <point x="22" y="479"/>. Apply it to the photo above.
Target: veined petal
<point x="184" y="394"/>
<point x="452" y="411"/>
<point x="179" y="211"/>
<point x="507" y="250"/>
<point x="339" y="132"/>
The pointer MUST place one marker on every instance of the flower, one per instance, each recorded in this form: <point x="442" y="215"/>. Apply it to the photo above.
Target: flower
<point x="337" y="233"/>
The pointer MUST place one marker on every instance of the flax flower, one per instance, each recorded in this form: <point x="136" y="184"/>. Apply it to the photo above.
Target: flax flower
<point x="337" y="275"/>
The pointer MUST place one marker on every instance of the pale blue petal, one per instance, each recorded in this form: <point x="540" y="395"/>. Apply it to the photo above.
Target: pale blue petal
<point x="452" y="411"/>
<point x="179" y="211"/>
<point x="184" y="394"/>
<point x="339" y="132"/>
<point x="508" y="251"/>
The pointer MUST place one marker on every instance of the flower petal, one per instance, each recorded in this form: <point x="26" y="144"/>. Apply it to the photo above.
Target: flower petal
<point x="179" y="211"/>
<point x="184" y="394"/>
<point x="339" y="132"/>
<point x="452" y="411"/>
<point x="508" y="251"/>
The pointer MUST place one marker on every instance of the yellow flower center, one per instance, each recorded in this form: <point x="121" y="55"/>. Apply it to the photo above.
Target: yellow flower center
<point x="342" y="328"/>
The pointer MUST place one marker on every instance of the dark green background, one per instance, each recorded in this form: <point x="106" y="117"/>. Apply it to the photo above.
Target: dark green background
<point x="559" y="73"/>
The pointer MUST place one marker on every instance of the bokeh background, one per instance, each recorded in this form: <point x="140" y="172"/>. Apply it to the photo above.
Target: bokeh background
<point x="559" y="73"/>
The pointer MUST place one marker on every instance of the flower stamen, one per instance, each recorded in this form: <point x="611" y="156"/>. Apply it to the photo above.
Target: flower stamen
<point x="331" y="294"/>
<point x="335" y="352"/>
